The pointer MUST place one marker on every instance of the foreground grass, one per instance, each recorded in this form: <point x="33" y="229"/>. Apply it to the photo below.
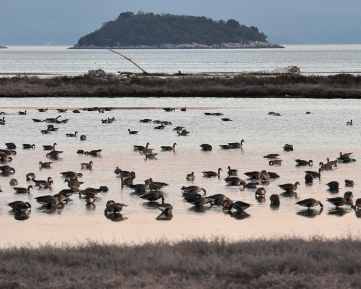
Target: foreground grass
<point x="243" y="85"/>
<point x="190" y="264"/>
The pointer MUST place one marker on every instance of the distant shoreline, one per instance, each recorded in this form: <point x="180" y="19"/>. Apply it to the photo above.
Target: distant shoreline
<point x="185" y="85"/>
<point x="255" y="45"/>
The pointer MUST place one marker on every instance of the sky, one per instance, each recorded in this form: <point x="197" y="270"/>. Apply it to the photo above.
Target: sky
<point x="42" y="22"/>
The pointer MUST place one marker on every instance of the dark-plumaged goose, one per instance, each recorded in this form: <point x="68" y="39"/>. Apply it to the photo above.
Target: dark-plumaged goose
<point x="190" y="177"/>
<point x="308" y="179"/>
<point x="45" y="165"/>
<point x="271" y="156"/>
<point x="145" y="120"/>
<point x="139" y="148"/>
<point x="347" y="199"/>
<point x="13" y="182"/>
<point x="168" y="148"/>
<point x="150" y="156"/>
<point x="166" y="213"/>
<point x="310" y="203"/>
<point x="6" y="171"/>
<point x="10" y="146"/>
<point x="236" y="145"/>
<point x="234" y="181"/>
<point x="113" y="207"/>
<point x="20" y="207"/>
<point x="43" y="184"/>
<point x="315" y="175"/>
<point x="71" y="175"/>
<point x="206" y="147"/>
<point x="49" y="147"/>
<point x="21" y="190"/>
<point x="288" y="148"/>
<point x="154" y="185"/>
<point x="217" y="199"/>
<point x="231" y="172"/>
<point x="303" y="163"/>
<point x="333" y="186"/>
<point x="83" y="137"/>
<point x="193" y="189"/>
<point x="260" y="193"/>
<point x="212" y="174"/>
<point x="275" y="201"/>
<point x="30" y="176"/>
<point x="71" y="134"/>
<point x="28" y="146"/>
<point x="289" y="188"/>
<point x="235" y="207"/>
<point x="275" y="162"/>
<point x="349" y="183"/>
<point x="54" y="155"/>
<point x="153" y="196"/>
<point x="225" y="147"/>
<point x="132" y="132"/>
<point x="87" y="166"/>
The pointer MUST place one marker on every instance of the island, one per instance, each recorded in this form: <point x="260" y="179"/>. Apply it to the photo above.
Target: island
<point x="167" y="31"/>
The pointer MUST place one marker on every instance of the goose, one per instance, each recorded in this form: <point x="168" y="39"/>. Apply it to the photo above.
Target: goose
<point x="288" y="148"/>
<point x="49" y="147"/>
<point x="83" y="137"/>
<point x="93" y="153"/>
<point x="236" y="145"/>
<point x="308" y="179"/>
<point x="43" y="184"/>
<point x="51" y="128"/>
<point x="87" y="166"/>
<point x="231" y="172"/>
<point x="49" y="202"/>
<point x="357" y="205"/>
<point x="150" y="156"/>
<point x="195" y="198"/>
<point x="22" y="112"/>
<point x="149" y="183"/>
<point x="333" y="186"/>
<point x="234" y="181"/>
<point x="20" y="207"/>
<point x="309" y="203"/>
<point x="20" y="190"/>
<point x="275" y="162"/>
<point x="217" y="200"/>
<point x="225" y="147"/>
<point x="37" y="120"/>
<point x="253" y="175"/>
<point x="275" y="201"/>
<point x="206" y="147"/>
<point x="13" y="182"/>
<point x="349" y="123"/>
<point x="28" y="146"/>
<point x="71" y="175"/>
<point x="236" y="207"/>
<point x="178" y="128"/>
<point x="315" y="175"/>
<point x="212" y="174"/>
<point x="303" y="163"/>
<point x="30" y="177"/>
<point x="10" y="146"/>
<point x="271" y="156"/>
<point x="6" y="171"/>
<point x="132" y="132"/>
<point x="145" y="120"/>
<point x="160" y="127"/>
<point x="289" y="188"/>
<point x="190" y="177"/>
<point x="193" y="189"/>
<point x="183" y="132"/>
<point x="76" y="111"/>
<point x="62" y="110"/>
<point x="153" y="196"/>
<point x="349" y="183"/>
<point x="139" y="148"/>
<point x="54" y="155"/>
<point x="168" y="148"/>
<point x="113" y="207"/>
<point x="45" y="165"/>
<point x="72" y="134"/>
<point x="260" y="193"/>
<point x="138" y="189"/>
<point x="166" y="213"/>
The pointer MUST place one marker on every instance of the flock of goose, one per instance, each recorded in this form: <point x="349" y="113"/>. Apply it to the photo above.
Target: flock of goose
<point x="151" y="191"/>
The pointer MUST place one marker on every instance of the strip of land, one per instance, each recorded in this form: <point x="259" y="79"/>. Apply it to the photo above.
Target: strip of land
<point x="264" y="264"/>
<point x="180" y="85"/>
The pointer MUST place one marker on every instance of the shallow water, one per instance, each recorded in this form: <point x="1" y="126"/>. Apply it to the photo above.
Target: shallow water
<point x="325" y="59"/>
<point x="316" y="136"/>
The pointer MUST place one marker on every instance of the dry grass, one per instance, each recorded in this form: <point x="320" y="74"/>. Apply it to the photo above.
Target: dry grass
<point x="190" y="264"/>
<point x="338" y="86"/>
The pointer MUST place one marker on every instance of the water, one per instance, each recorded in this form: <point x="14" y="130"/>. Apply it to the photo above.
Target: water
<point x="315" y="136"/>
<point x="312" y="59"/>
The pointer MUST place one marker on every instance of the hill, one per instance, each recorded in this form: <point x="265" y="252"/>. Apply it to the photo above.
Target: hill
<point x="149" y="30"/>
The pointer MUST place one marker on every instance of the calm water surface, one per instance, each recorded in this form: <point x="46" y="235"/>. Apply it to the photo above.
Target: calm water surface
<point x="316" y="136"/>
<point x="60" y="60"/>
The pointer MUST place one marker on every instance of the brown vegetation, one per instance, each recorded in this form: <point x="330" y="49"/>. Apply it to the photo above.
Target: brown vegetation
<point x="244" y="85"/>
<point x="190" y="264"/>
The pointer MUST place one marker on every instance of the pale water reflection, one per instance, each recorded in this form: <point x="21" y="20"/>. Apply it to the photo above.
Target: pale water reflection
<point x="315" y="136"/>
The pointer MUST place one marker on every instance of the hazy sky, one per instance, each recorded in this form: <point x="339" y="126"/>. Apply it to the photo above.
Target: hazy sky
<point x="284" y="21"/>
